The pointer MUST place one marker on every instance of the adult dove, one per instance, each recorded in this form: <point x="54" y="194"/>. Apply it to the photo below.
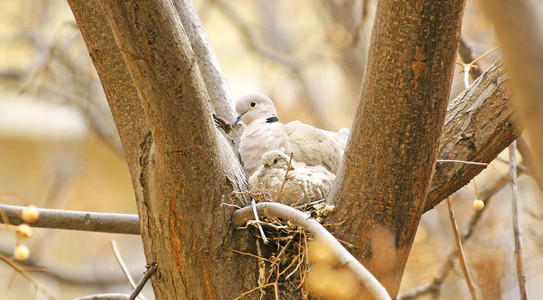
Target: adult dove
<point x="311" y="146"/>
<point x="302" y="184"/>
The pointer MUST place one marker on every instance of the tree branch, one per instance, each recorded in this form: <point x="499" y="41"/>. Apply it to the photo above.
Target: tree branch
<point x="75" y="220"/>
<point x="480" y="123"/>
<point x="517" y="232"/>
<point x="285" y="212"/>
<point x="466" y="54"/>
<point x="186" y="165"/>
<point x="381" y="187"/>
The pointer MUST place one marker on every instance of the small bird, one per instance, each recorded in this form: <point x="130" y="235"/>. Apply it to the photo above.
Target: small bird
<point x="311" y="146"/>
<point x="302" y="184"/>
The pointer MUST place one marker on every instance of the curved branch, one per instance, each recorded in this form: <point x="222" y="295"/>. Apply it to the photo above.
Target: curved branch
<point x="277" y="210"/>
<point x="75" y="220"/>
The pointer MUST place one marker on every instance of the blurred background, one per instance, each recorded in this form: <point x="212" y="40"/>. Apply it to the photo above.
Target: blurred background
<point x="59" y="148"/>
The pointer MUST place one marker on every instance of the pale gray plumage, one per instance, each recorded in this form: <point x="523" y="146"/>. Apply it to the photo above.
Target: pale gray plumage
<point x="310" y="145"/>
<point x="302" y="184"/>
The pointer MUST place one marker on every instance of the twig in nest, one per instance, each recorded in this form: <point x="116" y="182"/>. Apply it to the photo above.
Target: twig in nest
<point x="284" y="180"/>
<point x="251" y="255"/>
<point x="264" y="238"/>
<point x="277" y="210"/>
<point x="253" y="289"/>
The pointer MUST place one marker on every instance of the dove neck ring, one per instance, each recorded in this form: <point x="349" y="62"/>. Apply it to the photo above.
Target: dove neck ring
<point x="272" y="119"/>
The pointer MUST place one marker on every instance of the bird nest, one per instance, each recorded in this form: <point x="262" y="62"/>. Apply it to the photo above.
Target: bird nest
<point x="282" y="249"/>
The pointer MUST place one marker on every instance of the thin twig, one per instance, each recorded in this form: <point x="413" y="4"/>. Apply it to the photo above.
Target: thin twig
<point x="278" y="210"/>
<point x="516" y="224"/>
<point x="284" y="180"/>
<point x="519" y="166"/>
<point x="461" y="161"/>
<point x="264" y="238"/>
<point x="120" y="260"/>
<point x="460" y="251"/>
<point x="472" y="65"/>
<point x="254" y="289"/>
<point x="251" y="255"/>
<point x="484" y="54"/>
<point x="23" y="273"/>
<point x="252" y="222"/>
<point x="151" y="269"/>
<point x="466" y="54"/>
<point x="278" y="257"/>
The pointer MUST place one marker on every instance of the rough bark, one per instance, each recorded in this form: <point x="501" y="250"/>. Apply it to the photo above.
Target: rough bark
<point x="187" y="158"/>
<point x="480" y="123"/>
<point x="120" y="90"/>
<point x="394" y="143"/>
<point x="518" y="26"/>
<point x="180" y="164"/>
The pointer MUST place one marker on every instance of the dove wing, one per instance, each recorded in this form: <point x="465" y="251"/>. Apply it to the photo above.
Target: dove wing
<point x="314" y="146"/>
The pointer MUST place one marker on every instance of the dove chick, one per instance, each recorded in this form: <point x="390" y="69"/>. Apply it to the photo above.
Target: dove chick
<point x="302" y="184"/>
<point x="264" y="132"/>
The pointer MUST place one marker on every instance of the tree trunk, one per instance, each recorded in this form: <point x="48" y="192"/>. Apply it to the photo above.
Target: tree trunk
<point x="395" y="138"/>
<point x="181" y="165"/>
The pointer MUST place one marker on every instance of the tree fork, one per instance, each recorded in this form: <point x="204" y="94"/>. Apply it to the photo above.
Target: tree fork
<point x="181" y="171"/>
<point x="394" y="143"/>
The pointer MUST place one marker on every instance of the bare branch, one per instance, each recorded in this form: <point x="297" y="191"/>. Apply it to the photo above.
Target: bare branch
<point x="76" y="220"/>
<point x="150" y="271"/>
<point x="466" y="54"/>
<point x="517" y="233"/>
<point x="277" y="210"/>
<point x="460" y="251"/>
<point x="19" y="269"/>
<point x="120" y="260"/>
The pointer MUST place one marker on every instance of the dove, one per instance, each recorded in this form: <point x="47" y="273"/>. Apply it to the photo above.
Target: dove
<point x="309" y="145"/>
<point x="302" y="184"/>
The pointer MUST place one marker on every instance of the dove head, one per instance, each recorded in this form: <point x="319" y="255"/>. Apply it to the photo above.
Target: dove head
<point x="254" y="106"/>
<point x="276" y="159"/>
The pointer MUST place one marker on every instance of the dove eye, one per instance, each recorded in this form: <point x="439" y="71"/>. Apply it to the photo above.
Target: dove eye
<point x="253" y="103"/>
<point x="275" y="161"/>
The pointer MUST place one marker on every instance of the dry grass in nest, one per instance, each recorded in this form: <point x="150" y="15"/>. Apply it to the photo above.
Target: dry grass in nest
<point x="283" y="250"/>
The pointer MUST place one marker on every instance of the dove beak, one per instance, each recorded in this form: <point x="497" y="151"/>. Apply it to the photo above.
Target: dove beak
<point x="236" y="121"/>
